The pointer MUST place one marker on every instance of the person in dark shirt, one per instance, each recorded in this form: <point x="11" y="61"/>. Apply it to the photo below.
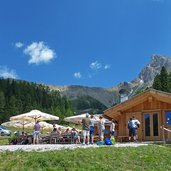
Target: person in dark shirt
<point x="133" y="126"/>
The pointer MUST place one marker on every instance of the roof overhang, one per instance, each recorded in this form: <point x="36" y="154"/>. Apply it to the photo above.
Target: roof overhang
<point x="148" y="95"/>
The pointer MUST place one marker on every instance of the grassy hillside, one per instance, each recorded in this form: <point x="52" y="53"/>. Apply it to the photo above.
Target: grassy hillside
<point x="85" y="104"/>
<point x="148" y="158"/>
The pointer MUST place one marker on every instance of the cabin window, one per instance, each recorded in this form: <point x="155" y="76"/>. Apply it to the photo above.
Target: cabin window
<point x="168" y="118"/>
<point x="147" y="124"/>
<point x="155" y="124"/>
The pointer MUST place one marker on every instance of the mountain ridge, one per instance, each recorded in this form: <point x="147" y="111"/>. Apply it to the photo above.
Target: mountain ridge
<point x="111" y="96"/>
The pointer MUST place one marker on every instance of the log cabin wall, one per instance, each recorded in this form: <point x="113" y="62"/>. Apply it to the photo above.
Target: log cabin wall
<point x="121" y="125"/>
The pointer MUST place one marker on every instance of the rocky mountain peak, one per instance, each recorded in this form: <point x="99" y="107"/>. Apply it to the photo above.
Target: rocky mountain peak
<point x="148" y="73"/>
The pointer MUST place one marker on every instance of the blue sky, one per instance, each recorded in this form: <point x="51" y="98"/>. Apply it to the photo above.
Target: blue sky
<point x="82" y="42"/>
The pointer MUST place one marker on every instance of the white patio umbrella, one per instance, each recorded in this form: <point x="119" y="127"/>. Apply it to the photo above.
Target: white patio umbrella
<point x="75" y="118"/>
<point x="62" y="127"/>
<point x="17" y="124"/>
<point x="45" y="125"/>
<point x="22" y="124"/>
<point x="78" y="118"/>
<point x="34" y="115"/>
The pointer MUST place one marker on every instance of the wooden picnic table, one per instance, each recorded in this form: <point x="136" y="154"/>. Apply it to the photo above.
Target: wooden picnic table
<point x="60" y="138"/>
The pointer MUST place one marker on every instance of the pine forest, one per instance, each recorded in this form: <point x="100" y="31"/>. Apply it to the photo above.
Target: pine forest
<point x="17" y="97"/>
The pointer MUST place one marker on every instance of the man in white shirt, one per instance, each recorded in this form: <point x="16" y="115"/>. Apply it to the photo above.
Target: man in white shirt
<point x="136" y="125"/>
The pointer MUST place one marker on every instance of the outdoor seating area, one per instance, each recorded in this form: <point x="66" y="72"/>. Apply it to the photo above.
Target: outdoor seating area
<point x="35" y="130"/>
<point x="47" y="139"/>
<point x="61" y="139"/>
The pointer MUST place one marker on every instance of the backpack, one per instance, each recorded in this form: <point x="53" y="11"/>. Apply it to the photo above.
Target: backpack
<point x="113" y="140"/>
<point x="100" y="142"/>
<point x="130" y="125"/>
<point x="108" y="141"/>
<point x="137" y="124"/>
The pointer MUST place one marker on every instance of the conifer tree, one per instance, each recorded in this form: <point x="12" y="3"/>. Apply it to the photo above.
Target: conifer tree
<point x="161" y="81"/>
<point x="157" y="82"/>
<point x="169" y="82"/>
<point x="164" y="79"/>
<point x="2" y="105"/>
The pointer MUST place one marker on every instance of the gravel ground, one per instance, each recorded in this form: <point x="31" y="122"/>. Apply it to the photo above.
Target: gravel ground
<point x="50" y="147"/>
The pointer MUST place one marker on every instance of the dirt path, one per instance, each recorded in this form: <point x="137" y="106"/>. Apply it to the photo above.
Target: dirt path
<point x="49" y="147"/>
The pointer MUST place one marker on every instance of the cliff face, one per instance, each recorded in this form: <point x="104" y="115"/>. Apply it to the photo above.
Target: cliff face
<point x="110" y="96"/>
<point x="154" y="67"/>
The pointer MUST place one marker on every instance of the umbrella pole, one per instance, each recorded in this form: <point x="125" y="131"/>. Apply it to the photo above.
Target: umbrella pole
<point x="42" y="129"/>
<point x="23" y="128"/>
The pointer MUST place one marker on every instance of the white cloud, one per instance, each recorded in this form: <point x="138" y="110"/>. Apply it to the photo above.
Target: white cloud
<point x="7" y="73"/>
<point x="19" y="45"/>
<point x="39" y="53"/>
<point x="77" y="75"/>
<point x="95" y="65"/>
<point x="107" y="66"/>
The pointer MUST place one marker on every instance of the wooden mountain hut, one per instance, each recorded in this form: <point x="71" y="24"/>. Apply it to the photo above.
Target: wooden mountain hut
<point x="152" y="108"/>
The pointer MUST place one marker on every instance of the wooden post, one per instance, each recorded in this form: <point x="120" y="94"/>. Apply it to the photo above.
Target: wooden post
<point x="164" y="142"/>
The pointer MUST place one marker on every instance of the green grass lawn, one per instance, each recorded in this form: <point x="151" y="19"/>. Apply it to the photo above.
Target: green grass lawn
<point x="4" y="140"/>
<point x="147" y="158"/>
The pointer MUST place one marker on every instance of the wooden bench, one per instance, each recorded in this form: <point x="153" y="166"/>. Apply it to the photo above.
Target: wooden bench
<point x="123" y="138"/>
<point x="67" y="139"/>
<point x="44" y="139"/>
<point x="61" y="139"/>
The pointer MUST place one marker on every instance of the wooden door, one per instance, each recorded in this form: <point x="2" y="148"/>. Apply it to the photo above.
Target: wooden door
<point x="151" y="127"/>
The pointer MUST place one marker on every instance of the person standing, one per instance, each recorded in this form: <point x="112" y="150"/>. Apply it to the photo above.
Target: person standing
<point x="131" y="130"/>
<point x="136" y="124"/>
<point x="112" y="129"/>
<point x="36" y="134"/>
<point x="86" y="129"/>
<point x="101" y="128"/>
<point x="133" y="126"/>
<point x="92" y="120"/>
